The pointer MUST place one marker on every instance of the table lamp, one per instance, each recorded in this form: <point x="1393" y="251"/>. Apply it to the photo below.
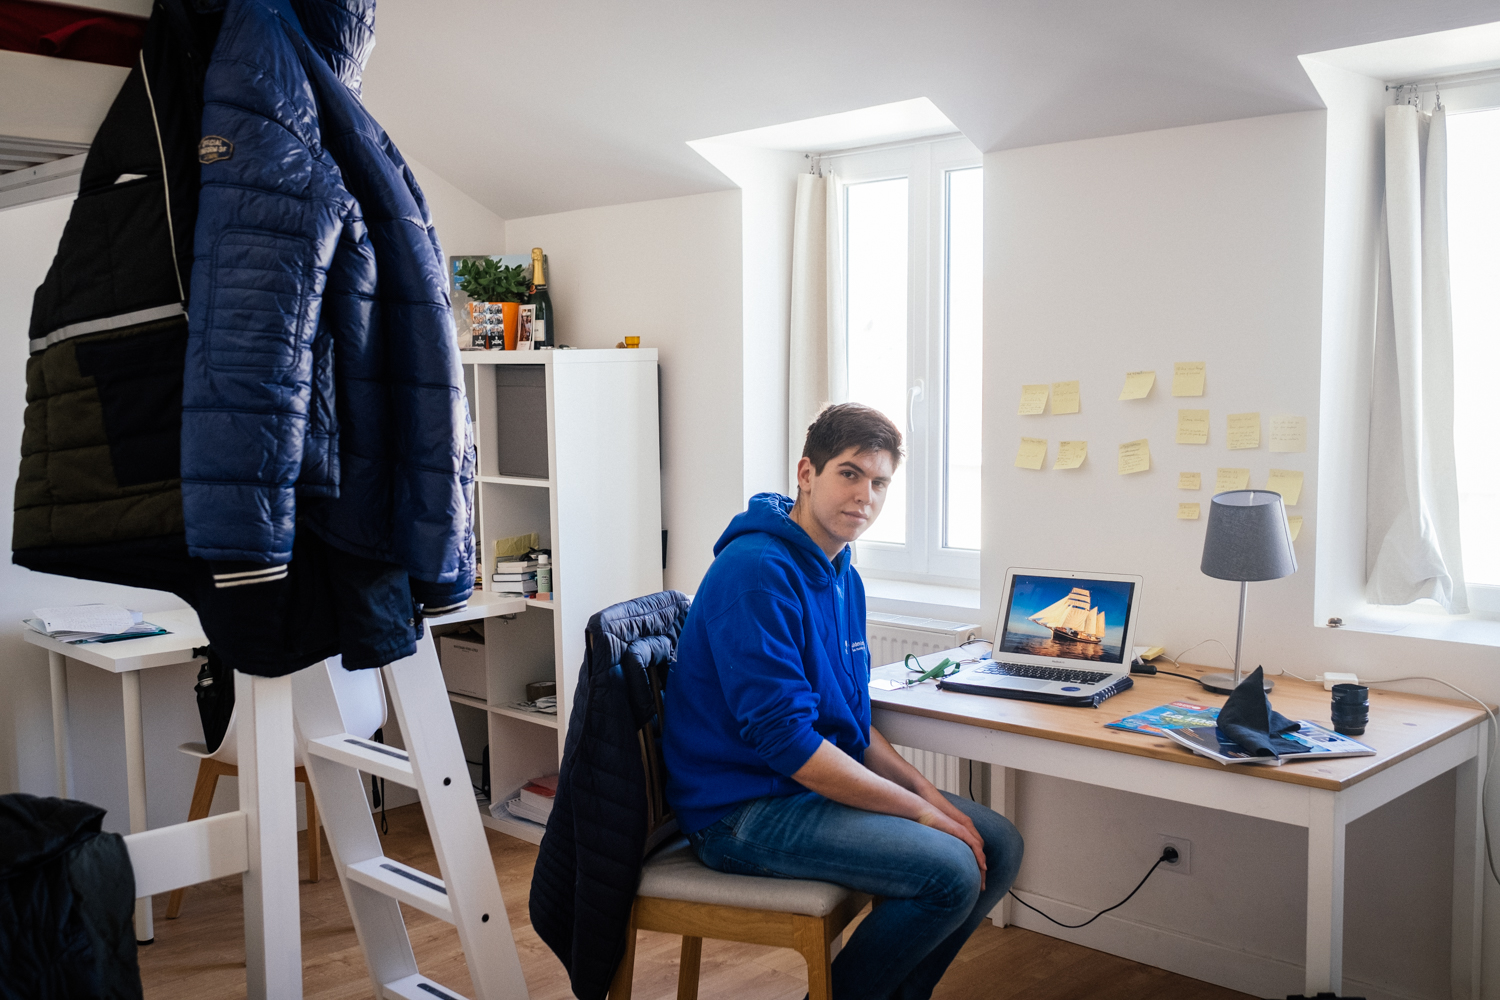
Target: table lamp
<point x="1247" y="540"/>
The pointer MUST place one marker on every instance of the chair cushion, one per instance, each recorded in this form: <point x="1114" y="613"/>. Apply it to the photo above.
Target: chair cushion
<point x="674" y="872"/>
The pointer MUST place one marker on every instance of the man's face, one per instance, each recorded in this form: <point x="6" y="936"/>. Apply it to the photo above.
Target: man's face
<point x="845" y="498"/>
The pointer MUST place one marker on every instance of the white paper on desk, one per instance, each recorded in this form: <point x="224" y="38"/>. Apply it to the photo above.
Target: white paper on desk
<point x="100" y="619"/>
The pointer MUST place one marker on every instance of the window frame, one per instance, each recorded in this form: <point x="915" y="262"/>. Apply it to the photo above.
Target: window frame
<point x="926" y="166"/>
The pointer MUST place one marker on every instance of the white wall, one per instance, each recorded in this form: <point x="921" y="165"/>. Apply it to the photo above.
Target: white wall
<point x="669" y="272"/>
<point x="1133" y="252"/>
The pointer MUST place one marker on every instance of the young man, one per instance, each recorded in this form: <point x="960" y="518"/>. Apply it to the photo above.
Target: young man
<point x="774" y="768"/>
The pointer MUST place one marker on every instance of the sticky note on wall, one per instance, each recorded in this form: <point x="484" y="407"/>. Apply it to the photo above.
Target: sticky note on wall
<point x="1244" y="431"/>
<point x="1288" y="433"/>
<point x="1232" y="479"/>
<point x="1294" y="525"/>
<point x="1188" y="512"/>
<point x="1286" y="482"/>
<point x="1138" y="385"/>
<point x="1190" y="480"/>
<point x="1187" y="378"/>
<point x="1135" y="456"/>
<point x="1192" y="427"/>
<point x="1033" y="400"/>
<point x="1070" y="454"/>
<point x="1032" y="453"/>
<point x="1065" y="397"/>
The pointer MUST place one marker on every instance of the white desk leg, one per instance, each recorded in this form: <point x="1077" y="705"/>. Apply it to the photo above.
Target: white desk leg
<point x="268" y="798"/>
<point x="135" y="783"/>
<point x="57" y="665"/>
<point x="1003" y="801"/>
<point x="1468" y="871"/>
<point x="1325" y="893"/>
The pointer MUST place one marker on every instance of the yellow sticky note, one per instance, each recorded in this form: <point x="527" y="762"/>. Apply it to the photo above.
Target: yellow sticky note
<point x="1033" y="400"/>
<point x="1138" y="385"/>
<point x="1065" y="397"/>
<point x="1244" y="431"/>
<point x="1135" y="456"/>
<point x="1192" y="427"/>
<point x="1294" y="525"/>
<point x="1188" y="512"/>
<point x="1190" y="480"/>
<point x="1070" y="454"/>
<point x="1286" y="482"/>
<point x="1187" y="378"/>
<point x="1232" y="479"/>
<point x="1288" y="433"/>
<point x="1033" y="452"/>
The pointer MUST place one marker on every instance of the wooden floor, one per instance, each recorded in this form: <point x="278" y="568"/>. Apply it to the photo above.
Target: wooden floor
<point x="201" y="955"/>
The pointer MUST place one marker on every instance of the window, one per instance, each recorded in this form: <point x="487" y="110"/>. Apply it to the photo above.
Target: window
<point x="913" y="274"/>
<point x="1474" y="252"/>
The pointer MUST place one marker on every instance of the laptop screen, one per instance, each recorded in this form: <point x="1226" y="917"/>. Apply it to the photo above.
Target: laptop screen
<point x="1068" y="617"/>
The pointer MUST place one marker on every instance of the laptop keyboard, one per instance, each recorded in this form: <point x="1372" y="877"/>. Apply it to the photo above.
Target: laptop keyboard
<point x="1063" y="675"/>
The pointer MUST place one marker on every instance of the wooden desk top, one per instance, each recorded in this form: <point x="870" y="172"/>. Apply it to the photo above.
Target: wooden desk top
<point x="1400" y="724"/>
<point x="185" y="634"/>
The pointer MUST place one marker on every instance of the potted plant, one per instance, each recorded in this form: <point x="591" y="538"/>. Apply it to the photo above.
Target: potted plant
<point x="487" y="283"/>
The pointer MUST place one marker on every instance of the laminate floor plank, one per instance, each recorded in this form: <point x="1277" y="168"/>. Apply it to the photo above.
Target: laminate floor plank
<point x="201" y="955"/>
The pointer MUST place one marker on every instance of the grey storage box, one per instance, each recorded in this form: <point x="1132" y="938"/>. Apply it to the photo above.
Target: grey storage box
<point x="521" y="412"/>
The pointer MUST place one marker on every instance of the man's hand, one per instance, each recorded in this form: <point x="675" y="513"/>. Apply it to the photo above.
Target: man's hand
<point x="835" y="775"/>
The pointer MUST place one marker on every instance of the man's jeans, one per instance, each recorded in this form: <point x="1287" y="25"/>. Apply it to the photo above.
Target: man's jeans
<point x="929" y="879"/>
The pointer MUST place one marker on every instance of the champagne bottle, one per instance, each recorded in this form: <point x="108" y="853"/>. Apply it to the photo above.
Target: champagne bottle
<point x="543" y="331"/>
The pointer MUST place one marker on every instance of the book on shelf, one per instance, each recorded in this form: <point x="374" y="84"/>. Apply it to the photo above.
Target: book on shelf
<point x="532" y="802"/>
<point x="516" y="565"/>
<point x="503" y="577"/>
<point x="522" y="587"/>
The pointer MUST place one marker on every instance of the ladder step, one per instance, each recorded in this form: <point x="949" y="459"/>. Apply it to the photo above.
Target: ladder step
<point x="391" y="763"/>
<point x="419" y="988"/>
<point x="405" y="884"/>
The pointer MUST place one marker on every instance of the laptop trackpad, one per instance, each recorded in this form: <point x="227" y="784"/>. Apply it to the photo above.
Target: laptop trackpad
<point x="1025" y="683"/>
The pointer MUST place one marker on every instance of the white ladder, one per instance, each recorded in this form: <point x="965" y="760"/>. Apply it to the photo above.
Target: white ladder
<point x="468" y="894"/>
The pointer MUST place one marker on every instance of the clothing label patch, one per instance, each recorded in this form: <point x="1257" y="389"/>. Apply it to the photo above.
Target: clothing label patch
<point x="858" y="646"/>
<point x="213" y="148"/>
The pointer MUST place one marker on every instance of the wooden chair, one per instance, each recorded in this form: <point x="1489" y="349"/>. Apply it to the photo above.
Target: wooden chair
<point x="361" y="700"/>
<point x="679" y="894"/>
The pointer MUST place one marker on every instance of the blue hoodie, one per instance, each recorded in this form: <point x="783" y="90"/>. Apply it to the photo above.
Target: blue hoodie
<point x="772" y="662"/>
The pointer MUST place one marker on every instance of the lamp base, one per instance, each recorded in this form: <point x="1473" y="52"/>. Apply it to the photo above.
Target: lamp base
<point x="1224" y="683"/>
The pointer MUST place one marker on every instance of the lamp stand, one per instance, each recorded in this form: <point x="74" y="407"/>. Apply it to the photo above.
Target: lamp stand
<point x="1226" y="683"/>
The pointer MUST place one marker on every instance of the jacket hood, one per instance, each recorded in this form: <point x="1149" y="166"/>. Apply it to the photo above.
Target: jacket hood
<point x="35" y="830"/>
<point x="770" y="513"/>
<point x="343" y="32"/>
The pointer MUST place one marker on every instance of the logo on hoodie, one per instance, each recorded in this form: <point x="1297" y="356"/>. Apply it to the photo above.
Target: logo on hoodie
<point x="213" y="148"/>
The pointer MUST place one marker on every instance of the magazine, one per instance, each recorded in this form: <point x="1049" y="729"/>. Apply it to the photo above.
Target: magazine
<point x="1175" y="715"/>
<point x="1309" y="741"/>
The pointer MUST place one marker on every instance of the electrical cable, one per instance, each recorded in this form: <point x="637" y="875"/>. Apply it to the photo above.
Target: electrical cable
<point x="1186" y="677"/>
<point x="1168" y="854"/>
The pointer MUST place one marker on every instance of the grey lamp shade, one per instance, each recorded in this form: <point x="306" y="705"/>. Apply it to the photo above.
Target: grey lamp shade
<point x="1247" y="537"/>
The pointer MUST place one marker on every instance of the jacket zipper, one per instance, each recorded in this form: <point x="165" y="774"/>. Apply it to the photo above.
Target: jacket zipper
<point x="165" y="185"/>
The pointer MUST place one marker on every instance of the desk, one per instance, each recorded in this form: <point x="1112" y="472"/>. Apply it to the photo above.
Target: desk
<point x="1417" y="738"/>
<point x="130" y="656"/>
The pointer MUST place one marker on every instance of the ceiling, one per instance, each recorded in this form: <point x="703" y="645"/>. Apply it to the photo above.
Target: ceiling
<point x="534" y="108"/>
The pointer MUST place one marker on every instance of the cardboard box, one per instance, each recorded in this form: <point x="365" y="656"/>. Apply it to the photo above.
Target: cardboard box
<point x="464" y="670"/>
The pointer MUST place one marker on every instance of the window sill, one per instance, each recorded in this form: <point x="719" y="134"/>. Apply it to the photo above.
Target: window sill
<point x="1421" y="624"/>
<point x="905" y="597"/>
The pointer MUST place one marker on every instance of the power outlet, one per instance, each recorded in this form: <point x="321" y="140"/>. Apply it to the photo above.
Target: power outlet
<point x="1184" y="863"/>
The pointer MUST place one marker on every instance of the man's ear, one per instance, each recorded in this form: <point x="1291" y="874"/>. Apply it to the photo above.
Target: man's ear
<point x="805" y="473"/>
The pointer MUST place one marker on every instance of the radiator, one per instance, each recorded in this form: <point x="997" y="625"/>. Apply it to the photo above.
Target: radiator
<point x="891" y="637"/>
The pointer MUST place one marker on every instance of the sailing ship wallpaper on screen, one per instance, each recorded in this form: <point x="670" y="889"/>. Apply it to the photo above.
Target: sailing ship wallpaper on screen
<point x="1076" y="619"/>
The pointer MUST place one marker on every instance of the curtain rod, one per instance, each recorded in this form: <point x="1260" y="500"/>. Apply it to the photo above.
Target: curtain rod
<point x="1457" y="80"/>
<point x="877" y="147"/>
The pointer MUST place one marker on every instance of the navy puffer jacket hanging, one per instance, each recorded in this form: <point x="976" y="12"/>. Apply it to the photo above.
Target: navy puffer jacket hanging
<point x="322" y="388"/>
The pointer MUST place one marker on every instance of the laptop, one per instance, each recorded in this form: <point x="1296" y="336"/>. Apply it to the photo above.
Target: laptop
<point x="1062" y="638"/>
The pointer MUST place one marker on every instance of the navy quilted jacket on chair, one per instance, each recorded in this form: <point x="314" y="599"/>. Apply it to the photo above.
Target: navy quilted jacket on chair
<point x="322" y="388"/>
<point x="589" y="864"/>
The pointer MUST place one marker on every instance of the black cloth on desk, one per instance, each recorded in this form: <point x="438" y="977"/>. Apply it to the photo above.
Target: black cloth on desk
<point x="589" y="865"/>
<point x="1248" y="718"/>
<point x="67" y="902"/>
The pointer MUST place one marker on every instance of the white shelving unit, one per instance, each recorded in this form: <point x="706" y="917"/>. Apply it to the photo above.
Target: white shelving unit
<point x="593" y="494"/>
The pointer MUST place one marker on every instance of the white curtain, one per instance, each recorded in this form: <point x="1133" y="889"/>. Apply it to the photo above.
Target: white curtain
<point x="1412" y="542"/>
<point x="818" y="358"/>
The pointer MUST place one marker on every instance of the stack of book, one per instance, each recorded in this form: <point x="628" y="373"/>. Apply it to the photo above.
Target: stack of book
<point x="533" y="802"/>
<point x="90" y="623"/>
<point x="514" y="577"/>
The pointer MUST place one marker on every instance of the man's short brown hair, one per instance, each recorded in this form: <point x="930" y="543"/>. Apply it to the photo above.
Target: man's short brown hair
<point x="842" y="426"/>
